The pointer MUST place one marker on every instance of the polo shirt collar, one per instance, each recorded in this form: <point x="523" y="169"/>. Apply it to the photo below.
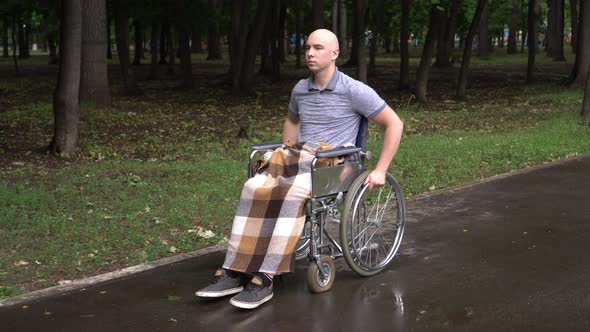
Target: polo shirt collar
<point x="331" y="85"/>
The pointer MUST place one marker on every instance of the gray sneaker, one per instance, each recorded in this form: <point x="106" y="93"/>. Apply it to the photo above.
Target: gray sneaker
<point x="222" y="285"/>
<point x="253" y="295"/>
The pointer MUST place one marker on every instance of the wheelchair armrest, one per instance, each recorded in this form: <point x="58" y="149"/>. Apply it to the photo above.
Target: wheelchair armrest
<point x="266" y="146"/>
<point x="337" y="152"/>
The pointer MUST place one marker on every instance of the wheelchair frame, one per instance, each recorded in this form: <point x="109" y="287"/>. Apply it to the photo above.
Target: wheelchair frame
<point x="322" y="208"/>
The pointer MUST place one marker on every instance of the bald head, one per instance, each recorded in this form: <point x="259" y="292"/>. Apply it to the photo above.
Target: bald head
<point x="325" y="37"/>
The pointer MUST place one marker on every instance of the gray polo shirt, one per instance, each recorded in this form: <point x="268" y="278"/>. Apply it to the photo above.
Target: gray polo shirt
<point x="333" y="115"/>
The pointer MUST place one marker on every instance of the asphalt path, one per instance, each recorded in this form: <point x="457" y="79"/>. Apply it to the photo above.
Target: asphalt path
<point x="507" y="254"/>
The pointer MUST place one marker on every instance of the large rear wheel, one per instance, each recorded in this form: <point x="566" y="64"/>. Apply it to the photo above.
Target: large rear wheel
<point x="372" y="225"/>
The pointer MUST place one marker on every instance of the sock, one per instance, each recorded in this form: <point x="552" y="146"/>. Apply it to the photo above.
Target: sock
<point x="231" y="273"/>
<point x="265" y="277"/>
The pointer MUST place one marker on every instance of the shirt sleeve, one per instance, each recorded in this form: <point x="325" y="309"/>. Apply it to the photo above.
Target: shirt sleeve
<point x="293" y="105"/>
<point x="365" y="100"/>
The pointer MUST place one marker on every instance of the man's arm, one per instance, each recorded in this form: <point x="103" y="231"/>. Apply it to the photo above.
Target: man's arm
<point x="291" y="128"/>
<point x="394" y="127"/>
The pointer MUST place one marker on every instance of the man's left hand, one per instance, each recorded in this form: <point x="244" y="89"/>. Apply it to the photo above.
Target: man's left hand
<point x="375" y="179"/>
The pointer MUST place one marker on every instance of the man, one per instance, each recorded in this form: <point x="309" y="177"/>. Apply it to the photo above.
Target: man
<point x="327" y="107"/>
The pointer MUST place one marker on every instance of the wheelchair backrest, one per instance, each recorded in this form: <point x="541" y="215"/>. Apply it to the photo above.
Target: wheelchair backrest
<point x="361" y="136"/>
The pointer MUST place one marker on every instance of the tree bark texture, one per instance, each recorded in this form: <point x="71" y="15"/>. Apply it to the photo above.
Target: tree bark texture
<point x="532" y="41"/>
<point x="446" y="36"/>
<point x="483" y="43"/>
<point x="254" y="38"/>
<point x="574" y="23"/>
<point x="582" y="63"/>
<point x="361" y="69"/>
<point x="275" y="49"/>
<point x="404" y="75"/>
<point x="467" y="50"/>
<point x="298" y="25"/>
<point x="358" y="33"/>
<point x="51" y="44"/>
<point x="138" y="44"/>
<point x="427" y="51"/>
<point x="334" y="16"/>
<point x="186" y="79"/>
<point x="121" y="14"/>
<point x="14" y="45"/>
<point x="239" y="33"/>
<point x="342" y="26"/>
<point x="5" y="24"/>
<point x="586" y="102"/>
<point x="94" y="81"/>
<point x="559" y="29"/>
<point x="196" y="39"/>
<point x="551" y="30"/>
<point x="317" y="9"/>
<point x="154" y="52"/>
<point x="213" y="36"/>
<point x="513" y="27"/>
<point x="108" y="27"/>
<point x="65" y="98"/>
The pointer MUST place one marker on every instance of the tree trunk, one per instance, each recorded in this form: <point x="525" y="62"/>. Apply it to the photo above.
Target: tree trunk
<point x="275" y="50"/>
<point x="559" y="29"/>
<point x="186" y="79"/>
<point x="196" y="44"/>
<point x="586" y="103"/>
<point x="121" y="14"/>
<point x="5" y="37"/>
<point x="377" y="14"/>
<point x="582" y="63"/>
<point x="53" y="59"/>
<point x="108" y="27"/>
<point x="138" y="45"/>
<point x="446" y="36"/>
<point x="154" y="52"/>
<point x="163" y="41"/>
<point x="404" y="68"/>
<point x="426" y="59"/>
<point x="361" y="69"/>
<point x="254" y="38"/>
<point x="65" y="98"/>
<point x="170" y="48"/>
<point x="462" y="83"/>
<point x="239" y="24"/>
<point x="483" y="44"/>
<point x="551" y="30"/>
<point x="335" y="17"/>
<point x="282" y="31"/>
<point x="298" y="25"/>
<point x="513" y="30"/>
<point x="265" y="46"/>
<point x="532" y="37"/>
<point x="317" y="9"/>
<point x="14" y="45"/>
<point x="94" y="81"/>
<point x="21" y="40"/>
<point x="358" y="33"/>
<point x="213" y="44"/>
<point x="574" y="20"/>
<point x="342" y="25"/>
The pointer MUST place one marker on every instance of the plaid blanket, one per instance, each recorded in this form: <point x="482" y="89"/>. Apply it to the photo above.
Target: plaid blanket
<point x="271" y="214"/>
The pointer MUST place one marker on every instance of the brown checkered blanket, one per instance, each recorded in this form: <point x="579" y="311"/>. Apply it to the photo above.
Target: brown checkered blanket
<point x="271" y="215"/>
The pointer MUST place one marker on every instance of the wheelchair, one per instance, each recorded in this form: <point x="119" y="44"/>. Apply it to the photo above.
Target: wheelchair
<point x="370" y="222"/>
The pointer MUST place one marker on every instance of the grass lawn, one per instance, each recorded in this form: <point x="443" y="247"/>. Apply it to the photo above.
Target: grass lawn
<point x="161" y="173"/>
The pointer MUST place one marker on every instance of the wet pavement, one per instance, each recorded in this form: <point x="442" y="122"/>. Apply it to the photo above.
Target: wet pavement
<point x="510" y="254"/>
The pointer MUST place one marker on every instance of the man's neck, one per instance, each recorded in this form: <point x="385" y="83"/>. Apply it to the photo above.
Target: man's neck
<point x="322" y="78"/>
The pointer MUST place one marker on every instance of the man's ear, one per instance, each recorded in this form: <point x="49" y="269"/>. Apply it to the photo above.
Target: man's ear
<point x="335" y="54"/>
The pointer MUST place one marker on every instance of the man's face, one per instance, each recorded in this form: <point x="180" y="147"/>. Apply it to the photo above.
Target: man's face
<point x="319" y="52"/>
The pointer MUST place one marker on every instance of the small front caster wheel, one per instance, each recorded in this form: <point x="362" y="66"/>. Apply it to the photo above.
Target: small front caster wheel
<point x="316" y="281"/>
